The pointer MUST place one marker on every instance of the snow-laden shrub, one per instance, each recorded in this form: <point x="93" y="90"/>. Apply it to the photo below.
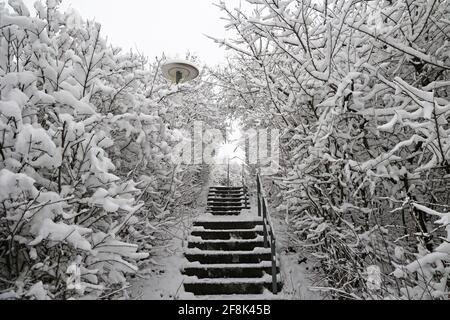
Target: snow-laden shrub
<point x="360" y="91"/>
<point x="432" y="269"/>
<point x="84" y="156"/>
<point x="61" y="202"/>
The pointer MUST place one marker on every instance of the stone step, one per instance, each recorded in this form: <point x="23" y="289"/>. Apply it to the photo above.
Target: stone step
<point x="228" y="224"/>
<point x="226" y="208"/>
<point x="237" y="199"/>
<point x="234" y="205"/>
<point x="223" y="199"/>
<point x="234" y="197"/>
<point x="227" y="201"/>
<point x="200" y="271"/>
<point x="226" y="234"/>
<point x="225" y="245"/>
<point x="228" y="192"/>
<point x="228" y="257"/>
<point x="227" y="188"/>
<point x="229" y="286"/>
<point x="234" y="208"/>
<point x="225" y="213"/>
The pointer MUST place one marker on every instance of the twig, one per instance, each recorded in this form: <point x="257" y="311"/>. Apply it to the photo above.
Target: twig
<point x="115" y="292"/>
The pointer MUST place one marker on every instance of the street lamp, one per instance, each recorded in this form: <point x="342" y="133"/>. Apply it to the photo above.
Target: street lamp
<point x="179" y="71"/>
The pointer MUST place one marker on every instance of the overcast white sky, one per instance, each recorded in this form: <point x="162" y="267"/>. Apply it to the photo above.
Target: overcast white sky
<point x="156" y="26"/>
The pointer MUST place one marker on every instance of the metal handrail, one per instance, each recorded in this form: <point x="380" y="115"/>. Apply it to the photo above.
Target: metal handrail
<point x="269" y="234"/>
<point x="245" y="187"/>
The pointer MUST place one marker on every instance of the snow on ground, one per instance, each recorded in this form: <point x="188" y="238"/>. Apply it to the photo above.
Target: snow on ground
<point x="163" y="281"/>
<point x="296" y="271"/>
<point x="162" y="278"/>
<point x="297" y="279"/>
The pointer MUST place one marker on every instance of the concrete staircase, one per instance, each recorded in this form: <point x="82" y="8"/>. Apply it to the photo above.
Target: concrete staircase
<point x="226" y="254"/>
<point x="223" y="201"/>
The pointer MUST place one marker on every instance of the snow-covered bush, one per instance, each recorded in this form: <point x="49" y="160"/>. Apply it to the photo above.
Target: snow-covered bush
<point x="84" y="155"/>
<point x="360" y="91"/>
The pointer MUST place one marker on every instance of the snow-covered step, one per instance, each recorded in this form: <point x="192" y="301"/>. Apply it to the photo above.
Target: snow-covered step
<point x="266" y="296"/>
<point x="234" y="208"/>
<point x="234" y="197"/>
<point x="226" y="208"/>
<point x="224" y="199"/>
<point x="231" y="199"/>
<point x="227" y="200"/>
<point x="226" y="188"/>
<point x="224" y="257"/>
<point x="218" y="203"/>
<point x="225" y="213"/>
<point x="223" y="224"/>
<point x="227" y="193"/>
<point x="227" y="234"/>
<point x="226" y="245"/>
<point x="202" y="229"/>
<point x="229" y="285"/>
<point x="250" y="270"/>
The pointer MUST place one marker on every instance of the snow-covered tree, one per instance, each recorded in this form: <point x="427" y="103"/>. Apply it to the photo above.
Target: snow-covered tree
<point x="86" y="136"/>
<point x="361" y="92"/>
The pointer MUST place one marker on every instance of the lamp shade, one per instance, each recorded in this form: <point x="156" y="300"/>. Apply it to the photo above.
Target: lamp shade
<point x="179" y="71"/>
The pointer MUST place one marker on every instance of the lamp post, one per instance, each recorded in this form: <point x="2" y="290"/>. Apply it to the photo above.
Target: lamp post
<point x="229" y="182"/>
